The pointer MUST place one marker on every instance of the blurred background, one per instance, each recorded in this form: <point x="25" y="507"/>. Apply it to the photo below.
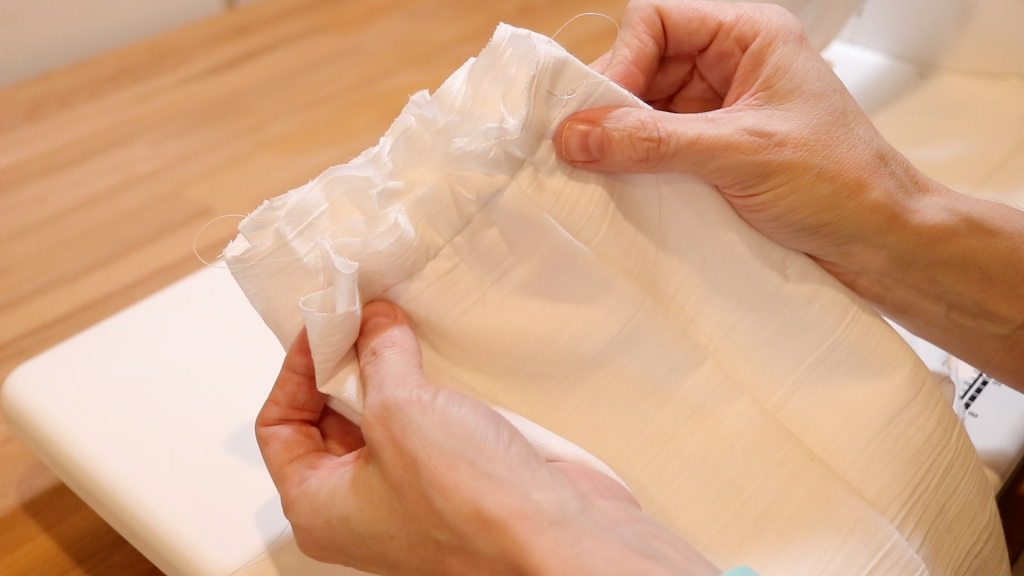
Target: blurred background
<point x="37" y="36"/>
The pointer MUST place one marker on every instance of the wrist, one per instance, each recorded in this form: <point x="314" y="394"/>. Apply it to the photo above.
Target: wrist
<point x="607" y="537"/>
<point x="949" y="267"/>
<point x="897" y="206"/>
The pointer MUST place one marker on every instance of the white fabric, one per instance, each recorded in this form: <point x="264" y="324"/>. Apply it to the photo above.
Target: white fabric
<point x="753" y="404"/>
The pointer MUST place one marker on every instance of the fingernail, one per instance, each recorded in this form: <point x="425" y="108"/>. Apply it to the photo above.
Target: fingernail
<point x="582" y="141"/>
<point x="377" y="316"/>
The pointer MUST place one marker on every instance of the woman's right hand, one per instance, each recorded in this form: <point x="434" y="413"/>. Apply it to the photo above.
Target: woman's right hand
<point x="742" y="100"/>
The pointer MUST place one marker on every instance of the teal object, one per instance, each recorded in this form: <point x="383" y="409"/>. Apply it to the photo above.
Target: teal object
<point x="740" y="571"/>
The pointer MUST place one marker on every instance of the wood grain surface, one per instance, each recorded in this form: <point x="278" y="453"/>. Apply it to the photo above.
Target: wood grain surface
<point x="109" y="169"/>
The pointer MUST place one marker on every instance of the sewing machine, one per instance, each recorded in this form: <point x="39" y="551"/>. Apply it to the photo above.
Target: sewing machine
<point x="158" y="400"/>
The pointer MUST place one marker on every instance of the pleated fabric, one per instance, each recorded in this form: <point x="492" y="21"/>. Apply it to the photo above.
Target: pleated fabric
<point x="633" y="323"/>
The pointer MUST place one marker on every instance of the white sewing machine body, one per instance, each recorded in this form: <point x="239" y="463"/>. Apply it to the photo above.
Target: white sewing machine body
<point x="148" y="415"/>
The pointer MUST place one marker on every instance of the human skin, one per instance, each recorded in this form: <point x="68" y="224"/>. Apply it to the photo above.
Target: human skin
<point x="742" y="100"/>
<point x="436" y="482"/>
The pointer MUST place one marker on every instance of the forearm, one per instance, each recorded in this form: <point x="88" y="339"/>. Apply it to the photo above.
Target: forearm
<point x="608" y="538"/>
<point x="950" y="268"/>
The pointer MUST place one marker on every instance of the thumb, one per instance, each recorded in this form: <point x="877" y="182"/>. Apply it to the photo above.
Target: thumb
<point x="635" y="140"/>
<point x="390" y="361"/>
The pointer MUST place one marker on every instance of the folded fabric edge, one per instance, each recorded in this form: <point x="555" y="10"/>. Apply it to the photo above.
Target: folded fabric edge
<point x="365" y="256"/>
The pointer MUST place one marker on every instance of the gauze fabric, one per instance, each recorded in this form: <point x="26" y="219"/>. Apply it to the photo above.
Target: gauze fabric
<point x="753" y="404"/>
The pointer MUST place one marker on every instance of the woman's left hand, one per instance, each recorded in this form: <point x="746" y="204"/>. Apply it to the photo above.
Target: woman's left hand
<point x="436" y="482"/>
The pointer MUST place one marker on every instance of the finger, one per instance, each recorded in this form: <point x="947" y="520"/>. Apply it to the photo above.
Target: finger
<point x="653" y="31"/>
<point x="286" y="427"/>
<point x="634" y="140"/>
<point x="389" y="355"/>
<point x="601" y="64"/>
<point x="634" y="56"/>
<point x="340" y="435"/>
<point x="721" y="47"/>
<point x="596" y="484"/>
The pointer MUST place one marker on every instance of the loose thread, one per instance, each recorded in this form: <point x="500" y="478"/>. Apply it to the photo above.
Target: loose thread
<point x="573" y="92"/>
<point x="195" y="241"/>
<point x="266" y="554"/>
<point x="574" y="18"/>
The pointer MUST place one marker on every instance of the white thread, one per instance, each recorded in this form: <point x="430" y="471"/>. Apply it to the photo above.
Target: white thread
<point x="195" y="240"/>
<point x="265" y="554"/>
<point x="573" y="19"/>
<point x="573" y="92"/>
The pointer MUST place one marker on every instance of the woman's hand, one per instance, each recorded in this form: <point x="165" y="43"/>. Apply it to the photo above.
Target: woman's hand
<point x="439" y="483"/>
<point x="743" y="101"/>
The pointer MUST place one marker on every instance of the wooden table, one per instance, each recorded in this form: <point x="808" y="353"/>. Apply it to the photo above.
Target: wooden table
<point x="110" y="168"/>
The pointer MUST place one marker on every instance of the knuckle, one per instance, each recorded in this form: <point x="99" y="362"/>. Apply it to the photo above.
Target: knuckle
<point x="648" y="142"/>
<point x="784" y="22"/>
<point x="383" y="349"/>
<point x="762" y="147"/>
<point x="263" y="437"/>
<point x="312" y="546"/>
<point x="309" y="532"/>
<point x="777" y="13"/>
<point x="395" y="406"/>
<point x="393" y="418"/>
<point x="760" y="139"/>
